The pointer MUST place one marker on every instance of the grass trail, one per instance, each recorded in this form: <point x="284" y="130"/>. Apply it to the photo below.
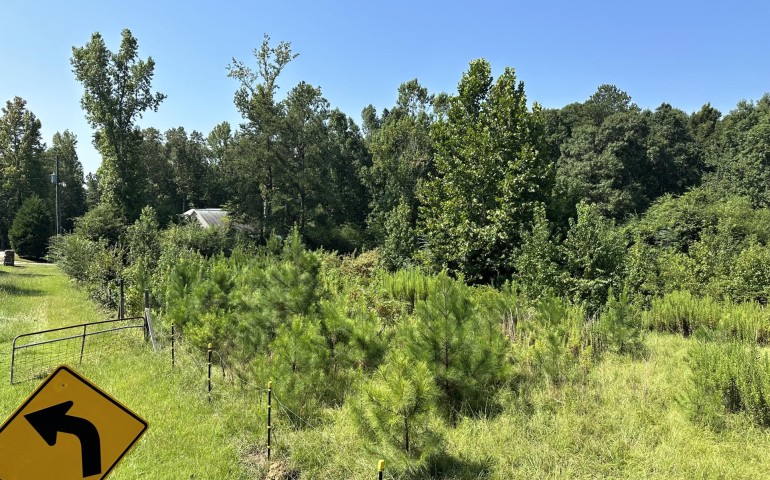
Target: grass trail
<point x="188" y="438"/>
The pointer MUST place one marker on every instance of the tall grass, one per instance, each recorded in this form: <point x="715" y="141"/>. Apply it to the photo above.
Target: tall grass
<point x="684" y="313"/>
<point x="625" y="418"/>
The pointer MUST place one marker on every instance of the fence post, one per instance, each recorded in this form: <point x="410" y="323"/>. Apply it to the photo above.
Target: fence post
<point x="380" y="468"/>
<point x="122" y="303"/>
<point x="269" y="417"/>
<point x="173" y="355"/>
<point x="209" y="377"/>
<point x="148" y="330"/>
<point x="83" y="344"/>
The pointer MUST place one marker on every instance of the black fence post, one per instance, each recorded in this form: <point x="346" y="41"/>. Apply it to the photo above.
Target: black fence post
<point x="173" y="354"/>
<point x="83" y="343"/>
<point x="269" y="417"/>
<point x="209" y="378"/>
<point x="380" y="468"/>
<point x="122" y="302"/>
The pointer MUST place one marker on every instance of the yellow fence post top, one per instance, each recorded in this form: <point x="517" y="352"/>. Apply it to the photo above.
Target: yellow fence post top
<point x="381" y="465"/>
<point x="210" y="346"/>
<point x="270" y="385"/>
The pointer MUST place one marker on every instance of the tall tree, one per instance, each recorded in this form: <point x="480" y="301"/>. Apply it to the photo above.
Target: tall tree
<point x="676" y="162"/>
<point x="221" y="145"/>
<point x="302" y="140"/>
<point x="117" y="91"/>
<point x="23" y="172"/>
<point x="160" y="189"/>
<point x="606" y="165"/>
<point x="188" y="159"/>
<point x="72" y="194"/>
<point x="251" y="173"/>
<point x="93" y="195"/>
<point x="402" y="157"/>
<point x="490" y="175"/>
<point x="740" y="158"/>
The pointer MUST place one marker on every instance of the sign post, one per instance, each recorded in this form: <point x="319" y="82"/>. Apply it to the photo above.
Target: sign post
<point x="68" y="428"/>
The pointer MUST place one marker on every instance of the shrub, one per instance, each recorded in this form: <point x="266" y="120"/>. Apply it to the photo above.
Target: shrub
<point x="395" y="409"/>
<point x="620" y="326"/>
<point x="101" y="222"/>
<point x="728" y="378"/>
<point x="682" y="312"/>
<point x="464" y="351"/>
<point x="594" y="252"/>
<point x="74" y="254"/>
<point x="31" y="228"/>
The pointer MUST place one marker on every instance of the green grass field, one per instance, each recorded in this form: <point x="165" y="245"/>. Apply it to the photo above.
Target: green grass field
<point x="626" y="421"/>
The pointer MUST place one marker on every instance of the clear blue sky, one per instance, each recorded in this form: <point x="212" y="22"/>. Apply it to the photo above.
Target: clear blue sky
<point x="682" y="52"/>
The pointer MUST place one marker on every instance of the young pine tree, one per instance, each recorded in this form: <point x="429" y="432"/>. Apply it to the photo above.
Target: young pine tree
<point x="464" y="351"/>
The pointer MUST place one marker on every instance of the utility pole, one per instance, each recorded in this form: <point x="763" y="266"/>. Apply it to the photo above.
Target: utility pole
<point x="55" y="181"/>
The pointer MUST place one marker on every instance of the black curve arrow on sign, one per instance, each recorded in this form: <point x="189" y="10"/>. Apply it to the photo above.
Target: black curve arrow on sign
<point x="51" y="420"/>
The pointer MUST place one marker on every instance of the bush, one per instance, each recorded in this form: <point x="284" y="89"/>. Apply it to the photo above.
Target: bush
<point x="73" y="254"/>
<point x="464" y="351"/>
<point x="682" y="312"/>
<point x="31" y="228"/>
<point x="101" y="222"/>
<point x="728" y="378"/>
<point x="395" y="410"/>
<point x="620" y="326"/>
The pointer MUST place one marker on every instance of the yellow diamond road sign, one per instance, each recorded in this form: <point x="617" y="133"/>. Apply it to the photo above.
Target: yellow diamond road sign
<point x="67" y="429"/>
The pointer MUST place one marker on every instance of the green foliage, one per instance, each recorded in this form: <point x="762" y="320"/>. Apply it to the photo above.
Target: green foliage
<point x="73" y="254"/>
<point x="104" y="222"/>
<point x="22" y="164"/>
<point x="116" y="92"/>
<point x="72" y="195"/>
<point x="31" y="228"/>
<point x="552" y="343"/>
<point x="728" y="378"/>
<point x="490" y="174"/>
<point x="537" y="268"/>
<point x="408" y="286"/>
<point x="684" y="313"/>
<point x="740" y="155"/>
<point x="400" y="238"/>
<point x="299" y="155"/>
<point x="750" y="275"/>
<point x="464" y="351"/>
<point x="395" y="408"/>
<point x="402" y="157"/>
<point x="104" y="273"/>
<point x="143" y="252"/>
<point x="593" y="252"/>
<point x="620" y="325"/>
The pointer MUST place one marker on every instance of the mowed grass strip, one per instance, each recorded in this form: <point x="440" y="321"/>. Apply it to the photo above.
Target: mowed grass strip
<point x="188" y="437"/>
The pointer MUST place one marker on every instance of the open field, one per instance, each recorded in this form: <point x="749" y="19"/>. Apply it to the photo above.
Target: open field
<point x="625" y="421"/>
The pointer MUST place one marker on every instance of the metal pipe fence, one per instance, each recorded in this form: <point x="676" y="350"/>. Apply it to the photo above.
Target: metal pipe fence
<point x="34" y="355"/>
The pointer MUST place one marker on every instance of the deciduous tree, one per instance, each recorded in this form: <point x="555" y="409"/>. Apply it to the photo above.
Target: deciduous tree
<point x="491" y="172"/>
<point x="117" y="91"/>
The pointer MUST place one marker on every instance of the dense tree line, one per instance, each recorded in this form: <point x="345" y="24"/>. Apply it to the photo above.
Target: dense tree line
<point x="475" y="181"/>
<point x="506" y="246"/>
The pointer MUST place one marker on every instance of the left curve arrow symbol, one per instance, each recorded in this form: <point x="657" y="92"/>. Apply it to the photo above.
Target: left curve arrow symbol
<point x="49" y="421"/>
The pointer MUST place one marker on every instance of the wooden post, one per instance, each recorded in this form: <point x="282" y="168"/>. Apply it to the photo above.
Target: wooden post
<point x="149" y="332"/>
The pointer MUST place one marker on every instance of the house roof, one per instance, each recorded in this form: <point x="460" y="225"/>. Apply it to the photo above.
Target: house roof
<point x="207" y="217"/>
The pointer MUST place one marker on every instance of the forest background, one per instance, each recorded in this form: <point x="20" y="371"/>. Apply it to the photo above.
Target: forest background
<point x="452" y="250"/>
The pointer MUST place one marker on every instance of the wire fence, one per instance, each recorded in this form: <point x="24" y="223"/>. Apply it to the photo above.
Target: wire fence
<point x="34" y="355"/>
